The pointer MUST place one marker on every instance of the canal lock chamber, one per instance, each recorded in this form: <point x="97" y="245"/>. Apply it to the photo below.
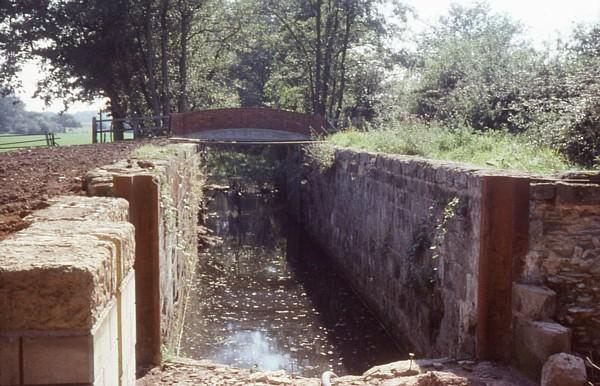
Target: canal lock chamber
<point x="265" y="295"/>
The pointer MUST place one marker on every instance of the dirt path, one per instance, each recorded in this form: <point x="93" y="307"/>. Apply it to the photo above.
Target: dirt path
<point x="28" y="178"/>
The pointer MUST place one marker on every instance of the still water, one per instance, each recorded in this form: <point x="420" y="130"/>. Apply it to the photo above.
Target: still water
<point x="267" y="297"/>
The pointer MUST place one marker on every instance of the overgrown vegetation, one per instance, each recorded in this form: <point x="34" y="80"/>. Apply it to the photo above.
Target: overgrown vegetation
<point x="476" y="69"/>
<point x="344" y="59"/>
<point x="493" y="149"/>
<point x="250" y="166"/>
<point x="153" y="152"/>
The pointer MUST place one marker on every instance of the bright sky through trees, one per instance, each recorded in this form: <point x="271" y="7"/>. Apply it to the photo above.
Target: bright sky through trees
<point x="544" y="20"/>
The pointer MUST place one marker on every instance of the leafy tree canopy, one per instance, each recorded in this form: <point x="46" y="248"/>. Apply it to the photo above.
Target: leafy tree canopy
<point x="15" y="119"/>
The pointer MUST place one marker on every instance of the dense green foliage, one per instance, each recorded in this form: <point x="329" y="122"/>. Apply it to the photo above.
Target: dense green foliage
<point x="15" y="119"/>
<point x="474" y="68"/>
<point x="492" y="149"/>
<point x="159" y="56"/>
<point x="338" y="58"/>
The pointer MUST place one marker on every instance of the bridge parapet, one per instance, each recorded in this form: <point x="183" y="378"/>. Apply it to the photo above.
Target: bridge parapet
<point x="306" y="125"/>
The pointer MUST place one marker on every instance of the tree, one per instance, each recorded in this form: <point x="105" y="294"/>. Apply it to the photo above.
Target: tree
<point x="318" y="39"/>
<point x="152" y="57"/>
<point x="15" y="119"/>
<point x="472" y="66"/>
<point x="123" y="50"/>
<point x="560" y="107"/>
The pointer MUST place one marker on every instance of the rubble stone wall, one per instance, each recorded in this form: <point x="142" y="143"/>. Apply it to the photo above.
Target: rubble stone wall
<point x="564" y="256"/>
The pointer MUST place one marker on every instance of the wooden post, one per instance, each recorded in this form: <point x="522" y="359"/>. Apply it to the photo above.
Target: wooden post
<point x="102" y="135"/>
<point x="135" y="126"/>
<point x="504" y="239"/>
<point x="94" y="130"/>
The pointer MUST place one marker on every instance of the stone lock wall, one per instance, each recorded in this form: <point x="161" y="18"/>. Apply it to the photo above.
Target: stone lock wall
<point x="560" y="280"/>
<point x="406" y="232"/>
<point x="458" y="260"/>
<point x="67" y="300"/>
<point x="163" y="186"/>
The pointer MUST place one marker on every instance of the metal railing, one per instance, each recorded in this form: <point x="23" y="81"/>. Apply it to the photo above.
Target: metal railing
<point x="107" y="129"/>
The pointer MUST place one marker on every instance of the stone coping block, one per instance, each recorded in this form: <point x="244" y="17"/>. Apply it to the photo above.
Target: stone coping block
<point x="121" y="234"/>
<point x="80" y="208"/>
<point x="61" y="275"/>
<point x="99" y="182"/>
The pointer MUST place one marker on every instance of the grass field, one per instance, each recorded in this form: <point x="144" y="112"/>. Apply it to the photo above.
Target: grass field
<point x="76" y="137"/>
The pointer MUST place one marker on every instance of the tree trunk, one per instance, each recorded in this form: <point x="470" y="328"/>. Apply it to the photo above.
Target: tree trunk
<point x="164" y="57"/>
<point x="185" y="23"/>
<point x="349" y="21"/>
<point x="331" y="28"/>
<point x="116" y="112"/>
<point x="149" y="61"/>
<point x="317" y="105"/>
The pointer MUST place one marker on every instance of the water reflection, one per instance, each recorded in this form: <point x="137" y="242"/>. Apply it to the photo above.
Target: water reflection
<point x="268" y="298"/>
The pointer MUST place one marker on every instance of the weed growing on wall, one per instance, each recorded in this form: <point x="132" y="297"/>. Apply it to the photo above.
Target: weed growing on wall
<point x="424" y="257"/>
<point x="428" y="242"/>
<point x="179" y="206"/>
<point x="441" y="225"/>
<point x="322" y="153"/>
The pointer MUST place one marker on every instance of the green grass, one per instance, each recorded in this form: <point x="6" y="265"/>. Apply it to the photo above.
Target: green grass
<point x="153" y="152"/>
<point x="494" y="149"/>
<point x="79" y="137"/>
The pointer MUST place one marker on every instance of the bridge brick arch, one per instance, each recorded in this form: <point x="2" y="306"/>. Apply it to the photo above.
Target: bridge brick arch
<point x="247" y="124"/>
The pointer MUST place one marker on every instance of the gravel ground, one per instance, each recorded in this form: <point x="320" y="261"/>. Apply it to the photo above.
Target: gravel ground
<point x="404" y="373"/>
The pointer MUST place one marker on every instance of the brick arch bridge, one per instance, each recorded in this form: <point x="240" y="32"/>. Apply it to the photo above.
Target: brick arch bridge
<point x="247" y="124"/>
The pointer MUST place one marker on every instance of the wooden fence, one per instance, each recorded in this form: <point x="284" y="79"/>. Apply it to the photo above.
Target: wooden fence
<point x="27" y="140"/>
<point x="106" y="129"/>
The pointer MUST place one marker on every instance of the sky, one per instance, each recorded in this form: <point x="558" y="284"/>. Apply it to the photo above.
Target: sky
<point x="544" y="20"/>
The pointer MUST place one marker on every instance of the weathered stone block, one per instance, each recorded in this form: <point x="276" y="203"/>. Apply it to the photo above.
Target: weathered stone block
<point x="60" y="273"/>
<point x="9" y="361"/>
<point x="99" y="183"/>
<point x="534" y="302"/>
<point x="61" y="278"/>
<point x="564" y="370"/>
<point x="121" y="234"/>
<point x="536" y="341"/>
<point x="54" y="283"/>
<point x="79" y="208"/>
<point x="544" y="191"/>
<point x="57" y="360"/>
<point x="579" y="194"/>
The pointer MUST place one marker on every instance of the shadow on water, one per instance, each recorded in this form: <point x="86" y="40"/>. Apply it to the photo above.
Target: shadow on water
<point x="266" y="296"/>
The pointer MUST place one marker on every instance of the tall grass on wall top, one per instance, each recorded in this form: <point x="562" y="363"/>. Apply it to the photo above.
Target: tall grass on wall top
<point x="492" y="149"/>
